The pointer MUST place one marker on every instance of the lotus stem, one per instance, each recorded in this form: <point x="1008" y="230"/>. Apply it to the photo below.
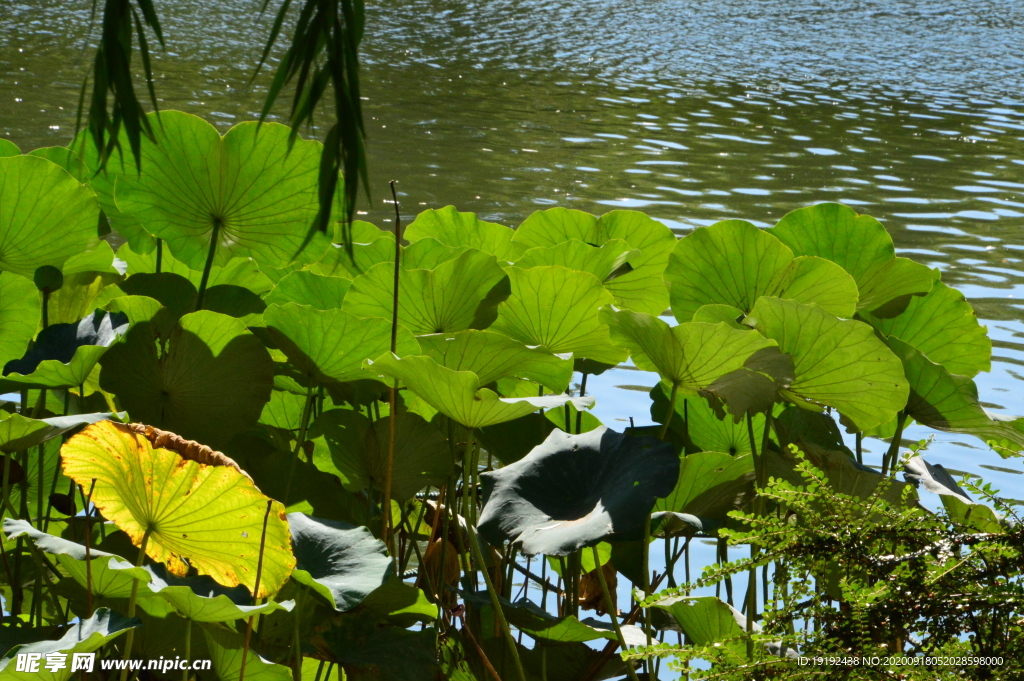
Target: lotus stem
<point x="159" y="255"/>
<point x="860" y="440"/>
<point x="613" y="612"/>
<point x="647" y="565"/>
<point x="297" y="640"/>
<point x="88" y="549"/>
<point x="392" y="397"/>
<point x="671" y="411"/>
<point x="255" y="590"/>
<point x="579" y="412"/>
<point x="303" y="426"/>
<point x="214" y="235"/>
<point x="188" y="646"/>
<point x="130" y="635"/>
<point x="889" y="460"/>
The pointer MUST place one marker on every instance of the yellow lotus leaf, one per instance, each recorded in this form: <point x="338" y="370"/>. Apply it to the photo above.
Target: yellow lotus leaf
<point x="193" y="505"/>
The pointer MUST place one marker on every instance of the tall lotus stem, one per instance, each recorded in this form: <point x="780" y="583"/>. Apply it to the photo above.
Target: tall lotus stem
<point x="255" y="591"/>
<point x="130" y="636"/>
<point x="647" y="575"/>
<point x="889" y="460"/>
<point x="303" y="427"/>
<point x="214" y="235"/>
<point x="671" y="411"/>
<point x="613" y="612"/>
<point x="392" y="397"/>
<point x="88" y="550"/>
<point x="579" y="412"/>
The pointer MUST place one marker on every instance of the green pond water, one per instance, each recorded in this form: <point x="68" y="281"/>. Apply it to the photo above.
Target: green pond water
<point x="690" y="111"/>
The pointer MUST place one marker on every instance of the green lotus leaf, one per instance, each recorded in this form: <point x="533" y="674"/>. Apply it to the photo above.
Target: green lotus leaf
<point x="242" y="272"/>
<point x="39" y="197"/>
<point x="715" y="313"/>
<point x="64" y="355"/>
<point x="19" y="315"/>
<point x="601" y="261"/>
<point x="102" y="181"/>
<point x="342" y="563"/>
<point x="256" y="192"/>
<point x="284" y="410"/>
<point x="710" y="485"/>
<point x="945" y="401"/>
<point x="565" y="417"/>
<point x="8" y="148"/>
<point x="705" y="430"/>
<point x="574" y="491"/>
<point x="401" y="604"/>
<point x="328" y="346"/>
<point x="456" y="229"/>
<point x="556" y="308"/>
<point x="40" y="478"/>
<point x="442" y="300"/>
<point x="80" y="295"/>
<point x="206" y="378"/>
<point x="510" y="441"/>
<point x="85" y="636"/>
<point x="359" y="449"/>
<point x="735" y="367"/>
<point x="427" y="254"/>
<point x="798" y="426"/>
<point x="860" y="245"/>
<point x="227" y="648"/>
<point x="364" y="648"/>
<point x="99" y="258"/>
<point x="178" y="295"/>
<point x="734" y="263"/>
<point x="640" y="289"/>
<point x="18" y="432"/>
<point x="943" y="326"/>
<point x="458" y="395"/>
<point x="307" y="288"/>
<point x="935" y="479"/>
<point x="208" y="513"/>
<point x="708" y="621"/>
<point x="837" y="363"/>
<point x="492" y="356"/>
<point x="371" y="246"/>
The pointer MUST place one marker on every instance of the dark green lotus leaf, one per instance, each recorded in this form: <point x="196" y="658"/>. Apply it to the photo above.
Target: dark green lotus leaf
<point x="307" y="288"/>
<point x="492" y="356"/>
<point x="557" y="308"/>
<point x="708" y="621"/>
<point x="42" y="477"/>
<point x="512" y="440"/>
<point x="206" y="379"/>
<point x="945" y="401"/>
<point x="943" y="326"/>
<point x="86" y="636"/>
<point x="258" y="191"/>
<point x="173" y="291"/>
<point x="601" y="261"/>
<point x="837" y="363"/>
<point x="39" y="197"/>
<point x="861" y="246"/>
<point x="8" y="148"/>
<point x="444" y="299"/>
<point x="669" y="524"/>
<point x="456" y="229"/>
<point x="19" y="315"/>
<point x="458" y="395"/>
<point x="371" y="246"/>
<point x="201" y="599"/>
<point x="329" y="346"/>
<point x="242" y="272"/>
<point x="705" y="430"/>
<point x="935" y="479"/>
<point x="795" y="425"/>
<point x="342" y="563"/>
<point x="641" y="288"/>
<point x="358" y="450"/>
<point x="574" y="491"/>
<point x="226" y="647"/>
<point x="710" y="485"/>
<point x="18" y="432"/>
<point x="64" y="354"/>
<point x="715" y="313"/>
<point x="734" y="263"/>
<point x="734" y="367"/>
<point x="102" y="181"/>
<point x="401" y="604"/>
<point x="844" y="474"/>
<point x="366" y="649"/>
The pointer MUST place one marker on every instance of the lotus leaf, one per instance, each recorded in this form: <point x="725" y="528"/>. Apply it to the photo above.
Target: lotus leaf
<point x="734" y="263"/>
<point x="307" y="288"/>
<point x="241" y="272"/>
<point x="602" y="262"/>
<point x="364" y="648"/>
<point x="712" y="314"/>
<point x="512" y="440"/>
<point x="941" y="325"/>
<point x="795" y="425"/>
<point x="18" y="432"/>
<point x="8" y="148"/>
<point x="359" y="449"/>
<point x="85" y="636"/>
<point x="227" y="648"/>
<point x="458" y="395"/>
<point x="256" y="194"/>
<point x="860" y="245"/>
<point x="456" y="229"/>
<point x="641" y="288"/>
<point x="64" y="354"/>
<point x="207" y="378"/>
<point x="708" y="621"/>
<point x="710" y="485"/>
<point x="67" y="159"/>
<point x="837" y="363"/>
<point x="945" y="401"/>
<point x="39" y="197"/>
<point x="565" y="418"/>
<point x="556" y="308"/>
<point x="216" y="525"/>
<point x="328" y="346"/>
<point x="342" y="563"/>
<point x="844" y="475"/>
<point x="935" y="479"/>
<point x="706" y="431"/>
<point x="401" y="604"/>
<point x="441" y="300"/>
<point x="371" y="246"/>
<point x="492" y="356"/>
<point x="574" y="491"/>
<point x="19" y="315"/>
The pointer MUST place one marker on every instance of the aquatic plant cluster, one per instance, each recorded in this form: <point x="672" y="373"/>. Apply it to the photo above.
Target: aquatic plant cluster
<point x="238" y="440"/>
